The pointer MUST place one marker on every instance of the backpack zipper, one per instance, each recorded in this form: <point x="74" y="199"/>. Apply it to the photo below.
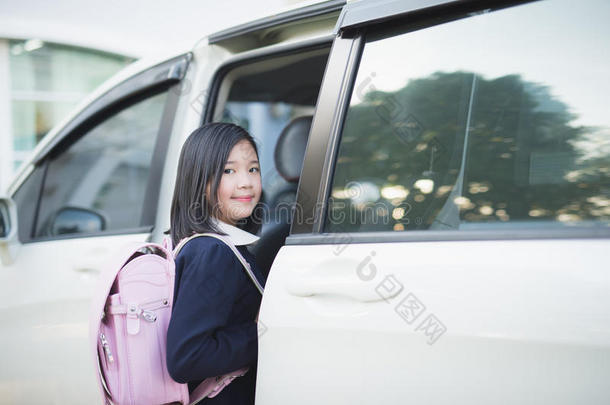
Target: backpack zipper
<point x="106" y="347"/>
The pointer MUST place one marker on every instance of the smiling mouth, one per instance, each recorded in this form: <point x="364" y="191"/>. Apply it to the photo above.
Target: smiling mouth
<point x="245" y="199"/>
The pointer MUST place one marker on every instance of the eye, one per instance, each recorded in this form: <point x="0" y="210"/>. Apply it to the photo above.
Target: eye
<point x="228" y="171"/>
<point x="256" y="169"/>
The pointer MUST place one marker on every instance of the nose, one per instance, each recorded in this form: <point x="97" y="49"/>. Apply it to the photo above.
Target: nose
<point x="245" y="180"/>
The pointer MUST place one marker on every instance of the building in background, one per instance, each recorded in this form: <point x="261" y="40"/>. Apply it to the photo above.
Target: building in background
<point x="42" y="82"/>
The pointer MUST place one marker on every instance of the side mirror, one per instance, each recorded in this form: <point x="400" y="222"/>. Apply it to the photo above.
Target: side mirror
<point x="70" y="220"/>
<point x="9" y="243"/>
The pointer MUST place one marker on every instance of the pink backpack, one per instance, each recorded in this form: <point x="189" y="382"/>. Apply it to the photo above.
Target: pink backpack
<point x="128" y="328"/>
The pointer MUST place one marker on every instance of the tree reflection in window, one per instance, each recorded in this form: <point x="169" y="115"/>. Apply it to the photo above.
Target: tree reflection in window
<point x="455" y="149"/>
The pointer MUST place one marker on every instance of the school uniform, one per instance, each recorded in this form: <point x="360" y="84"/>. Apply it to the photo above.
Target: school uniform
<point x="212" y="329"/>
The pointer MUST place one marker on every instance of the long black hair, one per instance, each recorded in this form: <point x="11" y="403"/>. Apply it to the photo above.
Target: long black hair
<point x="202" y="161"/>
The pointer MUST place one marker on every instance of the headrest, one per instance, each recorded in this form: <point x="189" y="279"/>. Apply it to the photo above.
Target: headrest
<point x="290" y="148"/>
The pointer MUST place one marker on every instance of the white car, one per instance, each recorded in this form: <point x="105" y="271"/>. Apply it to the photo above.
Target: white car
<point x="436" y="180"/>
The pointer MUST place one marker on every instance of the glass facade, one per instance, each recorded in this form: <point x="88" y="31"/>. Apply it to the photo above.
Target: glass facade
<point x="47" y="81"/>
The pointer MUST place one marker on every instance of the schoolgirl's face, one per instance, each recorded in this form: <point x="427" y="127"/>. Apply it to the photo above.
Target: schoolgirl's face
<point x="240" y="185"/>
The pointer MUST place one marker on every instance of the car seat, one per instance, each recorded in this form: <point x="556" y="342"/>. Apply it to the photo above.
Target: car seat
<point x="288" y="156"/>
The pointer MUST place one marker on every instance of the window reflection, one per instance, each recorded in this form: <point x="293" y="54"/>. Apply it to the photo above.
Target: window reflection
<point x="104" y="173"/>
<point x="489" y="121"/>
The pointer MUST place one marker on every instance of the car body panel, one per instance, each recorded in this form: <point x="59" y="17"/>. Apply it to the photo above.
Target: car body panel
<point x="45" y="319"/>
<point x="513" y="322"/>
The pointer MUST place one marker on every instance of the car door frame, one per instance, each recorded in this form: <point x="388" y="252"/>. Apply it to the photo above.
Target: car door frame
<point x="318" y="167"/>
<point x="308" y="242"/>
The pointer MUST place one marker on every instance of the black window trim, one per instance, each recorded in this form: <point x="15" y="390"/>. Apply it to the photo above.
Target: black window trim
<point x="34" y="221"/>
<point x="325" y="128"/>
<point x="30" y="221"/>
<point x="381" y="12"/>
<point x="125" y="231"/>
<point x="311" y="11"/>
<point x="316" y="178"/>
<point x="447" y="236"/>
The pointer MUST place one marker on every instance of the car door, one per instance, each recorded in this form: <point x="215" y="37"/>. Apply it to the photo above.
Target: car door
<point x="451" y="235"/>
<point x="90" y="190"/>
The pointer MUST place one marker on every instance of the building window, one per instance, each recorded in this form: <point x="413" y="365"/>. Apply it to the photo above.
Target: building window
<point x="47" y="81"/>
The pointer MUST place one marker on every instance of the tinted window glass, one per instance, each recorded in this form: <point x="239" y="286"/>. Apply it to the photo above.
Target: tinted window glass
<point x="104" y="173"/>
<point x="26" y="199"/>
<point x="490" y="121"/>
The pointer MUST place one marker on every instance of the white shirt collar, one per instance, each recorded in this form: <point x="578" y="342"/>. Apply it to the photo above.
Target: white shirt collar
<point x="238" y="236"/>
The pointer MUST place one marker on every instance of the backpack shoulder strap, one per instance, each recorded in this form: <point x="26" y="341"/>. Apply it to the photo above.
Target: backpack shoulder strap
<point x="243" y="261"/>
<point x="209" y="385"/>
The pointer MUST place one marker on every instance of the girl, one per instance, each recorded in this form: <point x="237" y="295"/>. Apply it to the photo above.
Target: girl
<point x="213" y="327"/>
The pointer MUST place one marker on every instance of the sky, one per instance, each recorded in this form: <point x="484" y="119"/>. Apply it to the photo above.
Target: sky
<point x="569" y="55"/>
<point x="133" y="27"/>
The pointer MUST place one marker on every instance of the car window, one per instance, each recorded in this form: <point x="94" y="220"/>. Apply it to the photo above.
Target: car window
<point x="99" y="182"/>
<point x="491" y="121"/>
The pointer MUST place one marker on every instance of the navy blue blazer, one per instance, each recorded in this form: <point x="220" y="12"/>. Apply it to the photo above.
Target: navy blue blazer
<point x="212" y="329"/>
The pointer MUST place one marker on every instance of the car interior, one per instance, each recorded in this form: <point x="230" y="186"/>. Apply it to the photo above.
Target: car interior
<point x="274" y="99"/>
